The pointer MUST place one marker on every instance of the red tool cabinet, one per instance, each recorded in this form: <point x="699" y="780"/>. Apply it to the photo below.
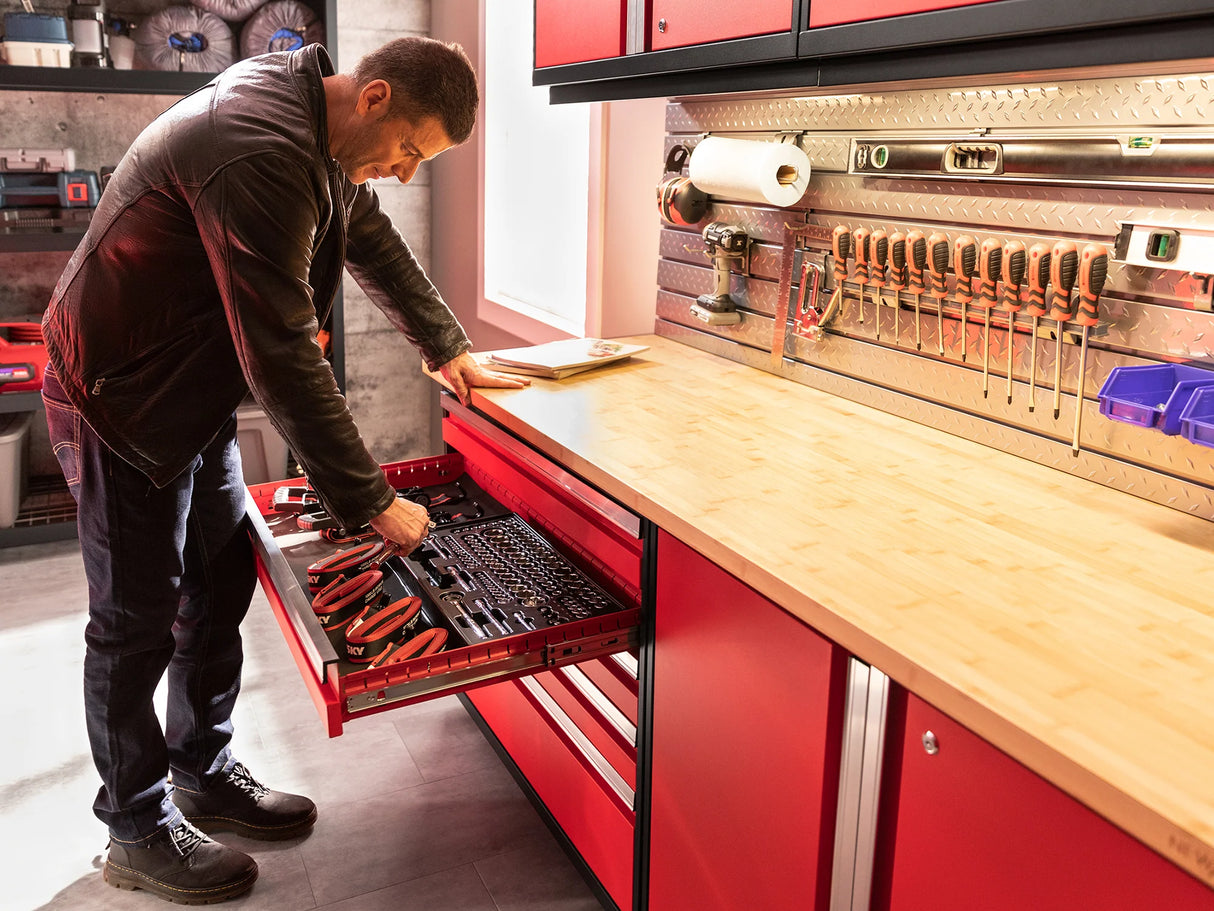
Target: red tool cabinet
<point x="964" y="826"/>
<point x="680" y="23"/>
<point x="573" y="31"/>
<point x="837" y="12"/>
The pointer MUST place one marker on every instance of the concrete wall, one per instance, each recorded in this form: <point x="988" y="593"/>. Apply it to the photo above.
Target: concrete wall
<point x="393" y="402"/>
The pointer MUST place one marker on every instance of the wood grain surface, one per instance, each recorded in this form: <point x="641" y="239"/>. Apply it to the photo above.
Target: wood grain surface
<point x="1069" y="624"/>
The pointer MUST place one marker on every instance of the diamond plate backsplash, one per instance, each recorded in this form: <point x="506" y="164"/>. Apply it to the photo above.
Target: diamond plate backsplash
<point x="935" y="368"/>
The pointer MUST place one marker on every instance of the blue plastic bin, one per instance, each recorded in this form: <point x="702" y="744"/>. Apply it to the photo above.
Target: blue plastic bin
<point x="35" y="27"/>
<point x="1197" y="419"/>
<point x="1153" y="395"/>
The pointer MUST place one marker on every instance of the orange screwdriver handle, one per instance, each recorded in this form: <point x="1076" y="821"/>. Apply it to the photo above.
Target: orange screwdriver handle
<point x="878" y="256"/>
<point x="840" y="247"/>
<point x="1038" y="278"/>
<point x="990" y="267"/>
<point x="1093" y="270"/>
<point x="1064" y="268"/>
<point x="937" y="264"/>
<point x="965" y="259"/>
<point x="897" y="261"/>
<point x="860" y="236"/>
<point x="916" y="246"/>
<point x="1014" y="261"/>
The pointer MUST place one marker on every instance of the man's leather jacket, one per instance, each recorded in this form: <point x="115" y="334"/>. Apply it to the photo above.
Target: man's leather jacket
<point x="213" y="256"/>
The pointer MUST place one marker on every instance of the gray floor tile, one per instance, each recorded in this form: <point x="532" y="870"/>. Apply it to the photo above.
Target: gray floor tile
<point x="537" y="875"/>
<point x="460" y="888"/>
<point x="373" y="843"/>
<point x="443" y="739"/>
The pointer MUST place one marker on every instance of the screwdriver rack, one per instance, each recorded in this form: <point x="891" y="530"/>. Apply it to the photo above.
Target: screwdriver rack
<point x="1147" y="315"/>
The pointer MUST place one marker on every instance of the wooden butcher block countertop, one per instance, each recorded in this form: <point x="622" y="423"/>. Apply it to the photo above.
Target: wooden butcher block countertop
<point x="1069" y="624"/>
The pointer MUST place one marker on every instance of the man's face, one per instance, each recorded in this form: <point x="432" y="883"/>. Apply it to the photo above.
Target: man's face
<point x="393" y="147"/>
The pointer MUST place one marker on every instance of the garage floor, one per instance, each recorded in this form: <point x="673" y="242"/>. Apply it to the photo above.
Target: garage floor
<point x="416" y="810"/>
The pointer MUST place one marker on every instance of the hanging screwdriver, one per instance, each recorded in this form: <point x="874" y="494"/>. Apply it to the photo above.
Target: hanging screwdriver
<point x="878" y="256"/>
<point x="840" y="248"/>
<point x="1093" y="269"/>
<point x="897" y="276"/>
<point x="965" y="259"/>
<point x="990" y="266"/>
<point x="860" y="246"/>
<point x="1014" y="261"/>
<point x="916" y="245"/>
<point x="937" y="265"/>
<point x="1038" y="278"/>
<point x="1064" y="264"/>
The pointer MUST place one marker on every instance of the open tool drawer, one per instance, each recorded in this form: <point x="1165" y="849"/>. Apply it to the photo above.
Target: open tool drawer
<point x="527" y="569"/>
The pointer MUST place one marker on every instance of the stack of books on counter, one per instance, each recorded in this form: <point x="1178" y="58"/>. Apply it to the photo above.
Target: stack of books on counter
<point x="556" y="360"/>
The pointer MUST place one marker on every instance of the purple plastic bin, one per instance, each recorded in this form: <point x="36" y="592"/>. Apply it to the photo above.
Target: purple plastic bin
<point x="1197" y="419"/>
<point x="1153" y="395"/>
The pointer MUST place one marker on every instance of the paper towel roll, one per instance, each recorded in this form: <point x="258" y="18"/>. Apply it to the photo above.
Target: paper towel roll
<point x="772" y="172"/>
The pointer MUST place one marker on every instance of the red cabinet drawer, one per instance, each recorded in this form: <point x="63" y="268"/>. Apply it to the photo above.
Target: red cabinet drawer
<point x="568" y="777"/>
<point x="601" y="536"/>
<point x="837" y="12"/>
<point x="572" y="31"/>
<point x="746" y="746"/>
<point x="343" y="690"/>
<point x="970" y="827"/>
<point x="678" y="23"/>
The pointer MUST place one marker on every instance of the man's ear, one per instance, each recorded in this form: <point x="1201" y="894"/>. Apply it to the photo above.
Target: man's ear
<point x="373" y="99"/>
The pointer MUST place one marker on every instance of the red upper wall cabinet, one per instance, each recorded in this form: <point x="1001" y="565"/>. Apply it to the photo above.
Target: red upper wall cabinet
<point x="573" y="31"/>
<point x="837" y="12"/>
<point x="678" y="23"/>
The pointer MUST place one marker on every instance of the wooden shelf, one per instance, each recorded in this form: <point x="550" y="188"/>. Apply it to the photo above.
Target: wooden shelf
<point x="105" y="81"/>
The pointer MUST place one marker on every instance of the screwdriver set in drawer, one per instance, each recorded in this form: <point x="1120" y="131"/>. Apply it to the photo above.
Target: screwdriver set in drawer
<point x="498" y="577"/>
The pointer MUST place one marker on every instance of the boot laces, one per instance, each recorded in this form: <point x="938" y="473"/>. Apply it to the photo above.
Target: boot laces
<point x="243" y="779"/>
<point x="185" y="838"/>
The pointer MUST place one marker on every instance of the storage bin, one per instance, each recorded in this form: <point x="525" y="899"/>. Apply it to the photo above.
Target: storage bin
<point x="1197" y="420"/>
<point x="14" y="435"/>
<point x="263" y="454"/>
<point x="34" y="39"/>
<point x="36" y="53"/>
<point x="1152" y="395"/>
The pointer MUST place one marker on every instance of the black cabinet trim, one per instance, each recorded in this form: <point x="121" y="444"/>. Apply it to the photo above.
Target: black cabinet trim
<point x="702" y="56"/>
<point x="991" y="20"/>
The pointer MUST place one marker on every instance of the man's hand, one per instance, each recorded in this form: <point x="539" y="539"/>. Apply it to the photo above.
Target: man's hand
<point x="464" y="371"/>
<point x="405" y="523"/>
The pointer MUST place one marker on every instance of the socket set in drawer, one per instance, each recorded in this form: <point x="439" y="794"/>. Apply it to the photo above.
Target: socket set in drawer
<point x="498" y="577"/>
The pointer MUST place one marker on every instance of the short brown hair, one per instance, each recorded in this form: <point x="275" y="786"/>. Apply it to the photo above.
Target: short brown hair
<point x="429" y="78"/>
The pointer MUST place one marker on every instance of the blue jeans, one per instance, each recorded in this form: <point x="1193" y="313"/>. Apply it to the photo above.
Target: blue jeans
<point x="170" y="573"/>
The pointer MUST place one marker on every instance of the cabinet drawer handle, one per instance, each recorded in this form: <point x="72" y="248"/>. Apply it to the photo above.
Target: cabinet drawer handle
<point x="931" y="745"/>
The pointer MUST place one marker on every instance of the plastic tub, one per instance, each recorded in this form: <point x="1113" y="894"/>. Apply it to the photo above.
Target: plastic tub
<point x="1153" y="395"/>
<point x="1197" y="419"/>
<point x="14" y="430"/>
<point x="36" y="53"/>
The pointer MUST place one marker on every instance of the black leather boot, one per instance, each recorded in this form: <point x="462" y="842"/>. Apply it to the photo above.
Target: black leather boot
<point x="182" y="865"/>
<point x="237" y="802"/>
